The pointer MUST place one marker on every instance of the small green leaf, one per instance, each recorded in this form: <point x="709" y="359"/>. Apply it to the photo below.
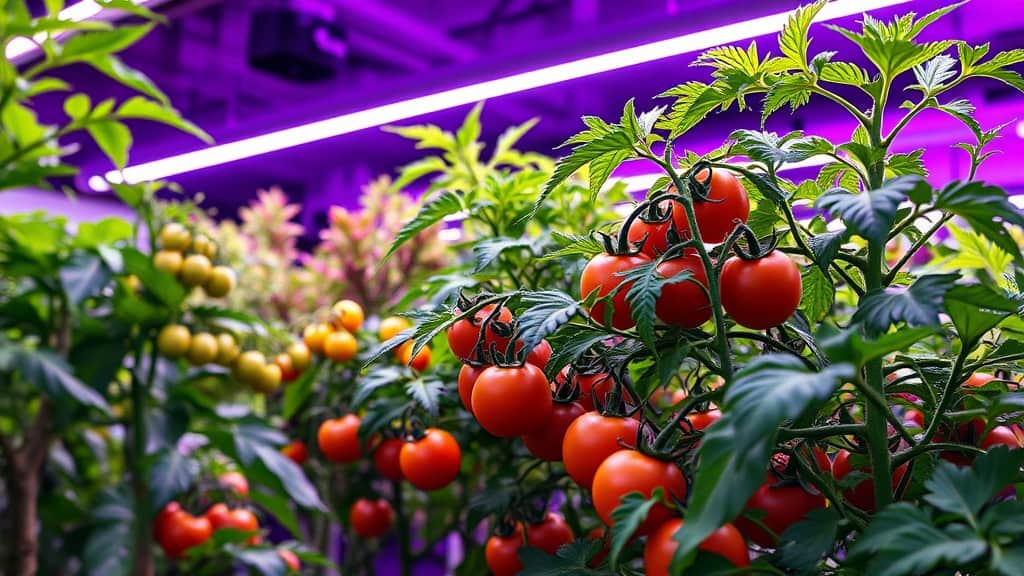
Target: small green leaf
<point x="794" y="40"/>
<point x="933" y="73"/>
<point x="573" y="245"/>
<point x="164" y="286"/>
<point x="803" y="544"/>
<point x="609" y="144"/>
<point x="433" y="211"/>
<point x="139" y="107"/>
<point x="626" y="518"/>
<point x="298" y="393"/>
<point x="486" y="251"/>
<point x="77" y="106"/>
<point x="84" y="276"/>
<point x="416" y="170"/>
<point x="469" y="131"/>
<point x="645" y="286"/>
<point x="114" y="138"/>
<point x="546" y="312"/>
<point x="265" y="562"/>
<point x="426" y="393"/>
<point x="291" y="477"/>
<point x="907" y="164"/>
<point x="826" y="245"/>
<point x="427" y="136"/>
<point x="279" y="507"/>
<point x="917" y="305"/>
<point x="84" y="46"/>
<point x="170" y="475"/>
<point x="818" y="295"/>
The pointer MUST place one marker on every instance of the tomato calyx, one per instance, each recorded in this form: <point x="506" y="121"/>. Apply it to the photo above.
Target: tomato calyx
<point x="755" y="248"/>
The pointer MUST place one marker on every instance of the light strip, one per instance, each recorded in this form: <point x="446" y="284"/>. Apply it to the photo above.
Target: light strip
<point x="444" y="100"/>
<point x="21" y="47"/>
<point x="1020" y="129"/>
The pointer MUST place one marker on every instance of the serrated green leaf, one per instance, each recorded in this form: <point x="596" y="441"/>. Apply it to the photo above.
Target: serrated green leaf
<point x="907" y="164"/>
<point x="933" y="73"/>
<point x="614" y="142"/>
<point x="996" y="68"/>
<point x="626" y="518"/>
<point x="573" y="245"/>
<point x="826" y="245"/>
<point x="426" y="393"/>
<point x="986" y="208"/>
<point x="433" y="211"/>
<point x="426" y="136"/>
<point x="601" y="169"/>
<point x="794" y="40"/>
<point x="170" y="474"/>
<point x="917" y="305"/>
<point x="803" y="544"/>
<point x="486" y="251"/>
<point x="818" y="294"/>
<point x="469" y="131"/>
<point x="870" y="214"/>
<point x="546" y="312"/>
<point x="975" y="309"/>
<point x="963" y="491"/>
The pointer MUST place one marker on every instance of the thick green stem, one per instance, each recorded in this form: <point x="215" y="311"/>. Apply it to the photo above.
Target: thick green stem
<point x="721" y="340"/>
<point x="140" y="490"/>
<point x="404" y="551"/>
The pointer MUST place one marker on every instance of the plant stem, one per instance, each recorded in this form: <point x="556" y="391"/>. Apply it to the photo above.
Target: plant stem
<point x="721" y="340"/>
<point x="945" y="399"/>
<point x="822" y="431"/>
<point x="915" y="247"/>
<point x="405" y="553"/>
<point x="140" y="491"/>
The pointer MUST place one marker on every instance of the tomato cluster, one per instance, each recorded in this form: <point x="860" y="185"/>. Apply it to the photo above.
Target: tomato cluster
<point x="189" y="258"/>
<point x="177" y="531"/>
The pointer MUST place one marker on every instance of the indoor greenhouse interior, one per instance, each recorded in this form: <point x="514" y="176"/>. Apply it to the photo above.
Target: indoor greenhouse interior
<point x="538" y="287"/>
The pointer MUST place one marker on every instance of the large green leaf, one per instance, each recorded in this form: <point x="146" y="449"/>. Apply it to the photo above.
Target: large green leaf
<point x="291" y="477"/>
<point x="84" y="276"/>
<point x="113" y="67"/>
<point x="975" y="309"/>
<point x="803" y="544"/>
<point x="963" y="491"/>
<point x="870" y="214"/>
<point x="52" y="375"/>
<point x="735" y="451"/>
<point x="114" y="138"/>
<point x="850" y="346"/>
<point x="97" y="43"/>
<point x="139" y="107"/>
<point x="109" y="543"/>
<point x="434" y="211"/>
<point x="917" y="305"/>
<point x="280" y="508"/>
<point x="626" y="518"/>
<point x="818" y="293"/>
<point x="986" y="208"/>
<point x="794" y="40"/>
<point x="171" y="473"/>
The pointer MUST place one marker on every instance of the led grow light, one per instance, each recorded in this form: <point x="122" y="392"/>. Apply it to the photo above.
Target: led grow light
<point x="21" y="47"/>
<point x="446" y="99"/>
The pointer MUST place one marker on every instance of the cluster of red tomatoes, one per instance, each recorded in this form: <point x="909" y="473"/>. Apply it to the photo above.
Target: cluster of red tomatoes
<point x="757" y="292"/>
<point x="177" y="531"/>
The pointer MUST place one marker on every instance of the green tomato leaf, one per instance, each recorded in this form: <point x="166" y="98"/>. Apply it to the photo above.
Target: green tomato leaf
<point x="870" y="214"/>
<point x="626" y="518"/>
<point x="426" y="393"/>
<point x="433" y="211"/>
<point x="291" y="477"/>
<point x="486" y="251"/>
<point x="84" y="276"/>
<point x="975" y="309"/>
<point x="849" y="345"/>
<point x="51" y="374"/>
<point x="545" y="313"/>
<point x="298" y="393"/>
<point x="86" y="45"/>
<point x="803" y="544"/>
<point x="826" y="245"/>
<point x="819" y="294"/>
<point x="114" y="138"/>
<point x="265" y="562"/>
<point x="108" y="547"/>
<point x="794" y="40"/>
<point x="986" y="208"/>
<point x="917" y="305"/>
<point x="140" y="107"/>
<point x="570" y="560"/>
<point x="113" y="67"/>
<point x="736" y="449"/>
<point x="170" y="474"/>
<point x="964" y="491"/>
<point x="279" y="507"/>
<point x="164" y="286"/>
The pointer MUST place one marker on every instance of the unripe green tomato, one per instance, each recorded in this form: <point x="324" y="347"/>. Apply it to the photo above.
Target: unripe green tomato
<point x="220" y="282"/>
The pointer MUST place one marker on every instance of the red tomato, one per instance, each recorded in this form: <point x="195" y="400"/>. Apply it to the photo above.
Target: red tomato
<point x="861" y="495"/>
<point x="163" y="518"/>
<point x="978" y="379"/>
<point x="684" y="304"/>
<point x="433" y="461"/>
<point x="220" y="516"/>
<point x="763" y="293"/>
<point x="339" y="439"/>
<point x="234" y="482"/>
<point x="654" y="236"/>
<point x="595" y="388"/>
<point x="177" y="531"/>
<point x="540" y="355"/>
<point x="371" y="518"/>
<point x="726" y="542"/>
<point x="290" y="559"/>
<point x="502" y="553"/>
<point x="464" y="334"/>
<point x="628" y="471"/>
<point x="701" y="420"/>
<point x="601" y="275"/>
<point x="546" y="443"/>
<point x="288" y="371"/>
<point x="467" y="378"/>
<point x="915" y="416"/>
<point x="509" y="402"/>
<point x="386" y="459"/>
<point x="296" y="452"/>
<point x="1000" y="435"/>
<point x="728" y="202"/>
<point x="590" y="439"/>
<point x="782" y="506"/>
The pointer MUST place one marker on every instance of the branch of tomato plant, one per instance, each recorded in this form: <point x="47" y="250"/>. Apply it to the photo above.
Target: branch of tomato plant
<point x="946" y="217"/>
<point x="661" y="440"/>
<point x="858" y="518"/>
<point x="817" y="432"/>
<point x="862" y="118"/>
<point x="143" y="557"/>
<point x="853" y="167"/>
<point x="940" y="410"/>
<point x="758" y="337"/>
<point x="402" y="522"/>
<point x="722" y="343"/>
<point x="909" y="454"/>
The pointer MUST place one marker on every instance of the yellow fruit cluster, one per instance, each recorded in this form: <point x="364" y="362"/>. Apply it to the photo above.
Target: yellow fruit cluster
<point x="190" y="259"/>
<point x="334" y="338"/>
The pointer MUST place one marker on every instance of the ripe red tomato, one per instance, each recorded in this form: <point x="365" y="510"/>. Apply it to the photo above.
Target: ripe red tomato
<point x="628" y="471"/>
<point x="1000" y="435"/>
<point x="467" y="379"/>
<point x="595" y="388"/>
<point x="701" y="420"/>
<point x="296" y="452"/>
<point x="220" y="516"/>
<point x="654" y="236"/>
<point x="290" y="559"/>
<point x="540" y="355"/>
<point x="177" y="531"/>
<point x="728" y="202"/>
<point x="684" y="304"/>
<point x="978" y="379"/>
<point x="763" y="293"/>
<point x="386" y="459"/>
<point x="782" y="506"/>
<point x="661" y="547"/>
<point x="502" y="552"/>
<point x="546" y="443"/>
<point x="234" y="482"/>
<point x="371" y="518"/>
<point x="601" y="275"/>
<point x="464" y="334"/>
<point x="339" y="439"/>
<point x="862" y="494"/>
<point x="509" y="402"/>
<point x="590" y="439"/>
<point x="433" y="461"/>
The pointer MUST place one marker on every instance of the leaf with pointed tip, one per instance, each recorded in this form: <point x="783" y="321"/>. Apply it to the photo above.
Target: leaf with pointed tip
<point x="975" y="309"/>
<point x="488" y="250"/>
<point x="84" y="276"/>
<point x="818" y="294"/>
<point x="870" y="214"/>
<point x="51" y="374"/>
<point x="546" y="312"/>
<point x="803" y="544"/>
<point x="794" y="40"/>
<point x="986" y="208"/>
<point x="932" y="74"/>
<point x="426" y="393"/>
<point x="170" y="475"/>
<point x="826" y="245"/>
<point x="964" y="491"/>
<point x="632" y="510"/>
<point x="917" y="305"/>
<point x="433" y="211"/>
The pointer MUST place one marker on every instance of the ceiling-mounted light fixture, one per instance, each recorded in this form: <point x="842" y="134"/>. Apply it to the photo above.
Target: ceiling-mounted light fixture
<point x="21" y="48"/>
<point x="447" y="99"/>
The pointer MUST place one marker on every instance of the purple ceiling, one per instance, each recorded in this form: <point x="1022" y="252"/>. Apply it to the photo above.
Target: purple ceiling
<point x="393" y="49"/>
